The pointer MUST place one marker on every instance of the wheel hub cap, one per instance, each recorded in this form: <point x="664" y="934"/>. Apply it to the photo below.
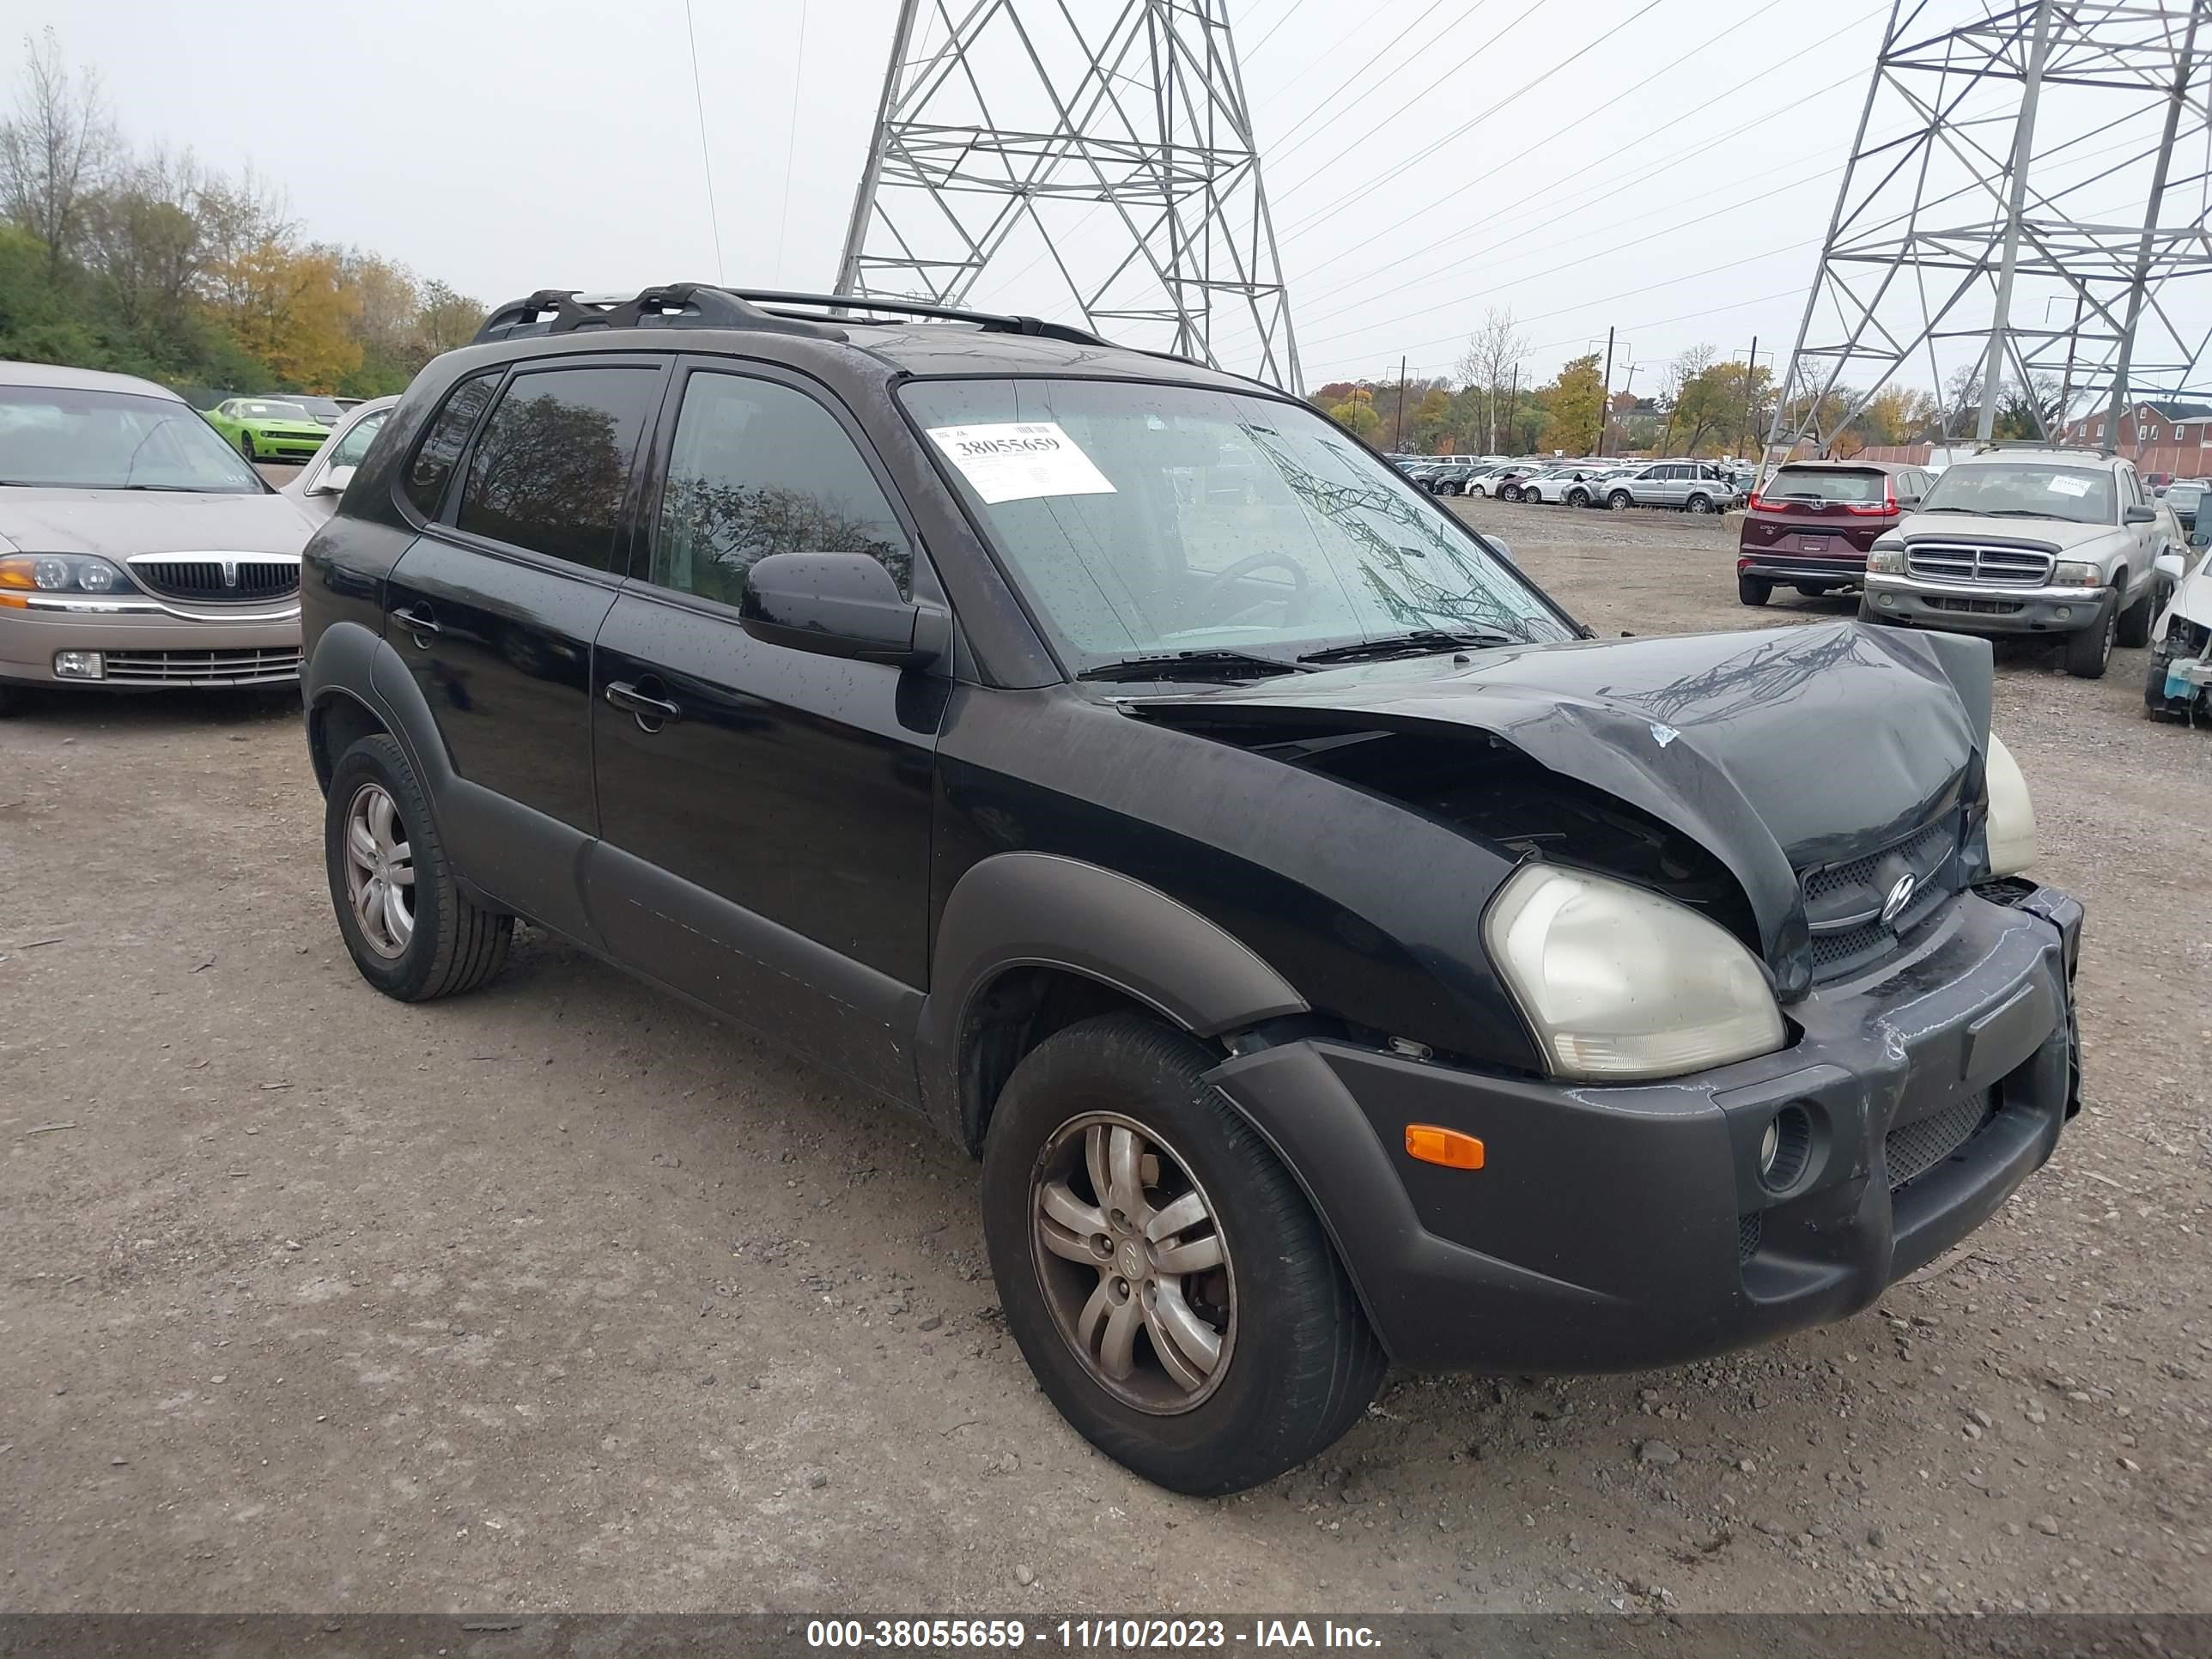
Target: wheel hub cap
<point x="1133" y="1263"/>
<point x="380" y="871"/>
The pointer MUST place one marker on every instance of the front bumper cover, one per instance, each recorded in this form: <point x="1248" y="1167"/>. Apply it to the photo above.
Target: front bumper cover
<point x="1993" y="610"/>
<point x="1624" y="1226"/>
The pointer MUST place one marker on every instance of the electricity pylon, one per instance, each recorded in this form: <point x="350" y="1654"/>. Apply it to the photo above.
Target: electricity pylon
<point x="2024" y="204"/>
<point x="1105" y="147"/>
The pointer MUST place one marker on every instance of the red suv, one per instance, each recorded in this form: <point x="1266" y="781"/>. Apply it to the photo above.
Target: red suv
<point x="1812" y="525"/>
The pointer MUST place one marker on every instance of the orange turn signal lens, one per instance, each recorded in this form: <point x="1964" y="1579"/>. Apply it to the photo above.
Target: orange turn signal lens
<point x="1446" y="1147"/>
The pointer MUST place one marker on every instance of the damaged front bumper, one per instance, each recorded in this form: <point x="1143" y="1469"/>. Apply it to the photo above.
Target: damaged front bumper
<point x="1618" y="1227"/>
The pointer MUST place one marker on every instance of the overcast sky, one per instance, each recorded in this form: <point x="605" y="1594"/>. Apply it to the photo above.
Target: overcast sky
<point x="505" y="147"/>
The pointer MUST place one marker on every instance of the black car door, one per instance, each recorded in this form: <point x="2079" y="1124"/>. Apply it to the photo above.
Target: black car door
<point x="764" y="812"/>
<point x="495" y="605"/>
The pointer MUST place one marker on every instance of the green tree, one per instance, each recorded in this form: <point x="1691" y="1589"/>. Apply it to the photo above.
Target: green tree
<point x="1570" y="404"/>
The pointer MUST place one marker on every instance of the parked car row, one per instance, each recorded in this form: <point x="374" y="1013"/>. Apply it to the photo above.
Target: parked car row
<point x="1690" y="485"/>
<point x="2012" y="541"/>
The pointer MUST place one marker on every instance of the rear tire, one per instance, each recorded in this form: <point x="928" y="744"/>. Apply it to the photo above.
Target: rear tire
<point x="1753" y="590"/>
<point x="1699" y="504"/>
<point x="1294" y="1363"/>
<point x="2089" y="650"/>
<point x="432" y="940"/>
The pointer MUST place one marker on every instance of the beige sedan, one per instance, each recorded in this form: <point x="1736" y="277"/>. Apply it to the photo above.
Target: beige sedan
<point x="137" y="551"/>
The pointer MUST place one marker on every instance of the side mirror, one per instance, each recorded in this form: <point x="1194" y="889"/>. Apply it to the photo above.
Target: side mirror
<point x="2140" y="515"/>
<point x="2200" y="535"/>
<point x="2169" y="566"/>
<point x="840" y="605"/>
<point x="332" y="483"/>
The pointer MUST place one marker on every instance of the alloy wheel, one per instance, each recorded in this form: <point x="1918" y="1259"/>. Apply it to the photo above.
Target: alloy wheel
<point x="1131" y="1254"/>
<point x="380" y="871"/>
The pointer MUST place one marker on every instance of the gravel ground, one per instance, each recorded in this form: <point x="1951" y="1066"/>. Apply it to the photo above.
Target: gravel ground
<point x="560" y="1296"/>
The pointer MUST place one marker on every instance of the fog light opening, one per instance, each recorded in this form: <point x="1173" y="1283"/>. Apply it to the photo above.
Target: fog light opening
<point x="80" y="666"/>
<point x="1884" y="600"/>
<point x="1784" y="1148"/>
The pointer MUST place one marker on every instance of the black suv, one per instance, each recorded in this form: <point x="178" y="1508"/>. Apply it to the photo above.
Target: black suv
<point x="1334" y="954"/>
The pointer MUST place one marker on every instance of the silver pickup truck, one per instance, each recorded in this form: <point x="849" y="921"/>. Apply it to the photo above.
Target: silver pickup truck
<point x="2028" y="541"/>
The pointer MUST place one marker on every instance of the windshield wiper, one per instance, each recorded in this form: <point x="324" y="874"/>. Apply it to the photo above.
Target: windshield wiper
<point x="1193" y="665"/>
<point x="1417" y="642"/>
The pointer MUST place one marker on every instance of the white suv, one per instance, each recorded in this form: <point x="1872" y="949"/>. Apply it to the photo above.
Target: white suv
<point x="2028" y="541"/>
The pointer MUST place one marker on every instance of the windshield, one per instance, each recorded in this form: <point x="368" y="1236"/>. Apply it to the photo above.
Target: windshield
<point x="2080" y="495"/>
<point x="320" y="409"/>
<point x="257" y="410"/>
<point x="75" y="438"/>
<point x="1143" y="520"/>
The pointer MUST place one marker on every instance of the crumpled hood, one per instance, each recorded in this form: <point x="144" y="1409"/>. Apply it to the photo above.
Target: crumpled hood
<point x="1776" y="749"/>
<point x="117" y="523"/>
<point x="2051" y="535"/>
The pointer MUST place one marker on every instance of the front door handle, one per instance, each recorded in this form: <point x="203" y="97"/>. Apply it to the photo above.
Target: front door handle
<point x="420" y="624"/>
<point x="623" y="695"/>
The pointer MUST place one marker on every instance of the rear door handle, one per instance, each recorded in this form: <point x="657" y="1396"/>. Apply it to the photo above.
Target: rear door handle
<point x="623" y="695"/>
<point x="416" y="622"/>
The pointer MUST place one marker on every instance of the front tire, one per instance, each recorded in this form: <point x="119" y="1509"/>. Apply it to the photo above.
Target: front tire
<point x="2089" y="650"/>
<point x="1165" y="1278"/>
<point x="410" y="929"/>
<point x="245" y="446"/>
<point x="2133" y="629"/>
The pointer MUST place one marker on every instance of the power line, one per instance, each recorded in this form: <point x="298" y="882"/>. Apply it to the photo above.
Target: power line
<point x="1794" y="103"/>
<point x="699" y="102"/>
<point x="1289" y="12"/>
<point x="1284" y="146"/>
<point x="1520" y="92"/>
<point x="790" y="142"/>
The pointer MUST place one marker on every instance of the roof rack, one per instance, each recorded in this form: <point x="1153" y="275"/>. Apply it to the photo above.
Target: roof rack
<point x="672" y="305"/>
<point x="991" y="322"/>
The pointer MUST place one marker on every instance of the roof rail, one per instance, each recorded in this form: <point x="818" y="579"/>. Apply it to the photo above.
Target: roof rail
<point x="991" y="322"/>
<point x="672" y="305"/>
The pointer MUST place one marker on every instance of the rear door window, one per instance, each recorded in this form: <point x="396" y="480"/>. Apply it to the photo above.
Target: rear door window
<point x="550" y="472"/>
<point x="432" y="468"/>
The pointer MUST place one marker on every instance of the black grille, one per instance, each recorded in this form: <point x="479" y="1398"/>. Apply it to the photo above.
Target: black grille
<point x="1843" y="901"/>
<point x="266" y="665"/>
<point x="1911" y="1150"/>
<point x="1747" y="1230"/>
<point x="219" y="581"/>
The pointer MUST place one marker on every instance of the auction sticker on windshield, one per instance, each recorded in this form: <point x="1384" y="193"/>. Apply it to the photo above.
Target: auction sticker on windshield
<point x="1020" y="461"/>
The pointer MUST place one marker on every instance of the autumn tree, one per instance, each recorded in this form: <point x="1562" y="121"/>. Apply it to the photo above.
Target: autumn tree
<point x="446" y="321"/>
<point x="289" y="308"/>
<point x="1356" y="414"/>
<point x="1571" y="404"/>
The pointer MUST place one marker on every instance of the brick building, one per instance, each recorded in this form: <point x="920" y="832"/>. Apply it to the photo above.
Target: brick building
<point x="2157" y="436"/>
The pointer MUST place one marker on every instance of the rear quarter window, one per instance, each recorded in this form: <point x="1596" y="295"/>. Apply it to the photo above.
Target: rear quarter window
<point x="432" y="469"/>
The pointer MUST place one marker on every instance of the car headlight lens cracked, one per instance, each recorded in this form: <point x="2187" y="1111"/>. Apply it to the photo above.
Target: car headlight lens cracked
<point x="1621" y="984"/>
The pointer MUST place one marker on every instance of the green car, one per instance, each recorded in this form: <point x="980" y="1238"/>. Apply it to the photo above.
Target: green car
<point x="268" y="428"/>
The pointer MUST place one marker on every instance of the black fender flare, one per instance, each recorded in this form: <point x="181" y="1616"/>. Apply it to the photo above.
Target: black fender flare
<point x="1047" y="910"/>
<point x="350" y="661"/>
